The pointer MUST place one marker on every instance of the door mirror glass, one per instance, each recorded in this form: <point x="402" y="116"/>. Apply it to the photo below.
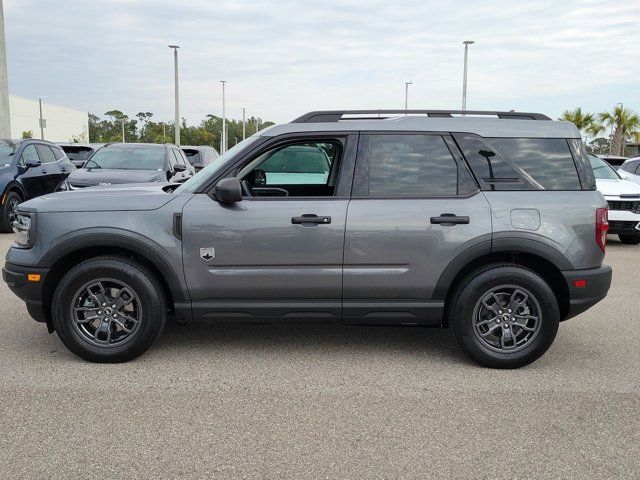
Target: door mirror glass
<point x="228" y="190"/>
<point x="32" y="162"/>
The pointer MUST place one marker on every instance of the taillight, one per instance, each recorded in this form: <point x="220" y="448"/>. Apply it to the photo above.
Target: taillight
<point x="602" y="227"/>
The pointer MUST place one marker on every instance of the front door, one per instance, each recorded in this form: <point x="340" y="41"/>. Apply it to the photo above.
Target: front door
<point x="277" y="253"/>
<point x="415" y="208"/>
<point x="33" y="179"/>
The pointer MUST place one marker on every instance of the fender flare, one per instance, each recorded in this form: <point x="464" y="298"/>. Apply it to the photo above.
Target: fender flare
<point x="521" y="245"/>
<point x="130" y="241"/>
<point x="13" y="185"/>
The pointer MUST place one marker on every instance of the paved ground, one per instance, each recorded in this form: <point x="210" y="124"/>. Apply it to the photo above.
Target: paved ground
<point x="326" y="402"/>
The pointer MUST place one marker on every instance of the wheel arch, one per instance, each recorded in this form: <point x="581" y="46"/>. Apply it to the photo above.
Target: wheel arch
<point x="549" y="266"/>
<point x="13" y="186"/>
<point x="66" y="255"/>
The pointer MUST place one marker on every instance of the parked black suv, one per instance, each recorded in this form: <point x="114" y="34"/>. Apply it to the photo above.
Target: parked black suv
<point x="28" y="168"/>
<point x="79" y="153"/>
<point x="117" y="163"/>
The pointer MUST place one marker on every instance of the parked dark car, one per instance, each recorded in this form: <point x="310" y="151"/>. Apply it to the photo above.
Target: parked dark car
<point x="117" y="163"/>
<point x="614" y="161"/>
<point x="28" y="168"/>
<point x="200" y="156"/>
<point x="79" y="153"/>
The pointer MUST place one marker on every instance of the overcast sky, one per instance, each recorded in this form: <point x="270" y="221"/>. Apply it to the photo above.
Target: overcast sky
<point x="287" y="57"/>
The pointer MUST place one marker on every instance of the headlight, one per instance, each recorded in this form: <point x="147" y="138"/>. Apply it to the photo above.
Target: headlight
<point x="22" y="229"/>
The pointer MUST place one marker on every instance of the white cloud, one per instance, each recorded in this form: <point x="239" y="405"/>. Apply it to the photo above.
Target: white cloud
<point x="283" y="58"/>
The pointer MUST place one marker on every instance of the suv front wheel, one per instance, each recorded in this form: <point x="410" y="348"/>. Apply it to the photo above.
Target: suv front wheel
<point x="109" y="309"/>
<point x="504" y="316"/>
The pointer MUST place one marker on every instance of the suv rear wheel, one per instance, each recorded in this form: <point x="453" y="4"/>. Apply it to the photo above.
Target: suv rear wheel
<point x="504" y="316"/>
<point x="630" y="239"/>
<point x="8" y="211"/>
<point x="109" y="309"/>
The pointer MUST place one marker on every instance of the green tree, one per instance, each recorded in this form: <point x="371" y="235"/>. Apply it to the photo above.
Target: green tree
<point x="585" y="122"/>
<point x="27" y="134"/>
<point x="625" y="125"/>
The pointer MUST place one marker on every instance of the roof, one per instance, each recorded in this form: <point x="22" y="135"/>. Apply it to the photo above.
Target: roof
<point x="197" y="147"/>
<point x="517" y="126"/>
<point x="136" y="145"/>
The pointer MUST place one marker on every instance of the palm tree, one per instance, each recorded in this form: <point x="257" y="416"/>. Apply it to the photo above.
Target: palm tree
<point x="581" y="120"/>
<point x="625" y="125"/>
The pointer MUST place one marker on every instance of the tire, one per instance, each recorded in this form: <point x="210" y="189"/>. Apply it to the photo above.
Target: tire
<point x="523" y="339"/>
<point x="630" y="239"/>
<point x="108" y="339"/>
<point x="11" y="201"/>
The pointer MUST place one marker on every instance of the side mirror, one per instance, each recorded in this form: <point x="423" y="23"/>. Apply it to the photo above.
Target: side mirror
<point x="32" y="162"/>
<point x="228" y="190"/>
<point x="178" y="167"/>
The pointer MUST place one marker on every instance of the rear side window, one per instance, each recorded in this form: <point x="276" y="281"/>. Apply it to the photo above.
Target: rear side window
<point x="631" y="167"/>
<point x="520" y="163"/>
<point x="46" y="154"/>
<point x="409" y="165"/>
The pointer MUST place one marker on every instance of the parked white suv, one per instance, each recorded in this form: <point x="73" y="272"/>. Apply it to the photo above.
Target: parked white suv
<point x="630" y="170"/>
<point x="623" y="197"/>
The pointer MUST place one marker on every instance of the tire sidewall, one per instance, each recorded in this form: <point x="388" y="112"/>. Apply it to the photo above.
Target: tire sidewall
<point x="151" y="301"/>
<point x="475" y="287"/>
<point x="5" y="224"/>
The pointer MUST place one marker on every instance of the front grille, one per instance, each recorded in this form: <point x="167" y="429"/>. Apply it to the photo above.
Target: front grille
<point x="621" y="226"/>
<point x="632" y="206"/>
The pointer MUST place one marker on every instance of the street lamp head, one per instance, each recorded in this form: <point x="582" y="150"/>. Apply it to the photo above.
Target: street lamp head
<point x="174" y="46"/>
<point x="469" y="42"/>
<point x="408" y="83"/>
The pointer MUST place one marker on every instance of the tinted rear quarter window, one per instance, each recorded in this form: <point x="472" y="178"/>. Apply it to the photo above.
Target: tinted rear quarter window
<point x="408" y="165"/>
<point x="520" y="163"/>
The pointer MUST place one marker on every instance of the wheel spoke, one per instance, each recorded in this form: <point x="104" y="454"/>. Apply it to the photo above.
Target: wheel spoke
<point x="123" y="298"/>
<point x="101" y="296"/>
<point x="514" y="303"/>
<point x="494" y="307"/>
<point x="521" y="321"/>
<point x="90" y="314"/>
<point x="490" y="330"/>
<point x="122" y="323"/>
<point x="507" y="335"/>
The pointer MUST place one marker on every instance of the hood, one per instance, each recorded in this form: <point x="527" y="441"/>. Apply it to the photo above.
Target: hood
<point x="98" y="176"/>
<point x="138" y="197"/>
<point x="617" y="187"/>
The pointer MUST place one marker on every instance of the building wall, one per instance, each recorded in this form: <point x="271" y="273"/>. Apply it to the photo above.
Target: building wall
<point x="63" y="124"/>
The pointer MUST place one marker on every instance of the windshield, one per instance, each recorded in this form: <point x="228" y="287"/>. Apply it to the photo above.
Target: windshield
<point x="6" y="152"/>
<point x="199" y="179"/>
<point x="602" y="170"/>
<point x="128" y="158"/>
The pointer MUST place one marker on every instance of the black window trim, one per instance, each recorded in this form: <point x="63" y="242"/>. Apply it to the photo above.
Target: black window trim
<point x="456" y="155"/>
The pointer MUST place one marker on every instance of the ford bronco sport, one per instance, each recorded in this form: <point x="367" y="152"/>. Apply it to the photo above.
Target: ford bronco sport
<point x="485" y="222"/>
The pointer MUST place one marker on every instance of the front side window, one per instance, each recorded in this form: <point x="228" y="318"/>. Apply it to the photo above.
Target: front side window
<point x="128" y="158"/>
<point x="29" y="154"/>
<point x="408" y="165"/>
<point x="299" y="169"/>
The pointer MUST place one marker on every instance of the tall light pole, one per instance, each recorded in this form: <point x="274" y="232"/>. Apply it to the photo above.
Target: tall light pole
<point x="123" y="139"/>
<point x="224" y="120"/>
<point x="244" y="123"/>
<point x="176" y="120"/>
<point x="41" y="120"/>
<point x="406" y="95"/>
<point x="464" y="75"/>
<point x="5" y="118"/>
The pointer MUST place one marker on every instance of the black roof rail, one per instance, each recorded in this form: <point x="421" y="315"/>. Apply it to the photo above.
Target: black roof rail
<point x="336" y="115"/>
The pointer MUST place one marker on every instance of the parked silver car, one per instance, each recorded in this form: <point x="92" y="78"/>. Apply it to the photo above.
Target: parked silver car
<point x="489" y="223"/>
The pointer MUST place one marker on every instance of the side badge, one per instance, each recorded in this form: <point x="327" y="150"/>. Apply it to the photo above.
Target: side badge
<point x="207" y="253"/>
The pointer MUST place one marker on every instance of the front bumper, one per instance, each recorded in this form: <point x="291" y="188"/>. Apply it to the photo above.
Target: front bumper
<point x="17" y="279"/>
<point x="598" y="281"/>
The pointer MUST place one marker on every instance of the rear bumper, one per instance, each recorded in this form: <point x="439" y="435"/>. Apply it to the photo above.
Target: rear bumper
<point x="617" y="227"/>
<point x="16" y="278"/>
<point x="598" y="281"/>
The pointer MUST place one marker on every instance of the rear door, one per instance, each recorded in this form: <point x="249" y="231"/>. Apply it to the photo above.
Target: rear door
<point x="278" y="252"/>
<point x="414" y="209"/>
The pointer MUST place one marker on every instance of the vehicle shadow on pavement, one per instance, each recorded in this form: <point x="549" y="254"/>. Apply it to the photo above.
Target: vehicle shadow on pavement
<point x="315" y="337"/>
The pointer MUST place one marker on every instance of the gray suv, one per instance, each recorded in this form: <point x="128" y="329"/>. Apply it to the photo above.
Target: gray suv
<point x="485" y="222"/>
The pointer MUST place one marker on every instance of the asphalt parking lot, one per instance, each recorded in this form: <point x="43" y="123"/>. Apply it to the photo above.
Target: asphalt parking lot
<point x="326" y="401"/>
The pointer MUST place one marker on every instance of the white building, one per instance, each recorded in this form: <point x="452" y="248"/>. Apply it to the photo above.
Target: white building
<point x="62" y="124"/>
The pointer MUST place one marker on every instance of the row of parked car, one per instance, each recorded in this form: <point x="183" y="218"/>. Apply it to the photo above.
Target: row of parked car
<point x="30" y="168"/>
